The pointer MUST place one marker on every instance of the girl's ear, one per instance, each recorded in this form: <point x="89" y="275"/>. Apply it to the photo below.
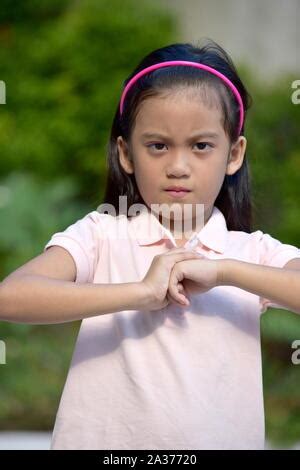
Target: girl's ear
<point x="236" y="155"/>
<point x="124" y="155"/>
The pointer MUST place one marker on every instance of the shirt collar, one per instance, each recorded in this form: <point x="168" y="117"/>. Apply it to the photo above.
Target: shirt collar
<point x="147" y="229"/>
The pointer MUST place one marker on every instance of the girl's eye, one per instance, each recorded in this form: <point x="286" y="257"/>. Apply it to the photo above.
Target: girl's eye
<point x="205" y="144"/>
<point x="157" y="143"/>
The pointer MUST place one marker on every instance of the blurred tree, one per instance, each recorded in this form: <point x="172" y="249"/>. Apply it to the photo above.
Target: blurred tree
<point x="64" y="63"/>
<point x="32" y="212"/>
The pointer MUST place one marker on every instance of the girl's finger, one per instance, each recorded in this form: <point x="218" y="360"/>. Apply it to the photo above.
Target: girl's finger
<point x="178" y="293"/>
<point x="182" y="290"/>
<point x="183" y="294"/>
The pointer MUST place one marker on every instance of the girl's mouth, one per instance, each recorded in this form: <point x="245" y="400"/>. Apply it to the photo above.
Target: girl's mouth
<point x="177" y="194"/>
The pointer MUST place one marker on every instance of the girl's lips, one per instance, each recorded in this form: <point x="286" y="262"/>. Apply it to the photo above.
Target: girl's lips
<point x="178" y="194"/>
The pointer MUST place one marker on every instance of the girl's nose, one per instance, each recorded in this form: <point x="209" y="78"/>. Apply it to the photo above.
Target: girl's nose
<point x="179" y="165"/>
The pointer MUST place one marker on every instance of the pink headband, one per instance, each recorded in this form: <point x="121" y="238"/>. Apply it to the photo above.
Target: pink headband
<point x="193" y="64"/>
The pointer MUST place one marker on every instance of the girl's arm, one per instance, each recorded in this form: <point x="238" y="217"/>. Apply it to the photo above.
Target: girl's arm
<point x="44" y="289"/>
<point x="280" y="285"/>
<point x="37" y="299"/>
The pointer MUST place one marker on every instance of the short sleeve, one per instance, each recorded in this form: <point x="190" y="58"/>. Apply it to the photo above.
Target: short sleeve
<point x="82" y="240"/>
<point x="273" y="252"/>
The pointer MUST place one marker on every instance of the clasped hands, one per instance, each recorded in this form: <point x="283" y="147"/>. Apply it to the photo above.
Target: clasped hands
<point x="178" y="273"/>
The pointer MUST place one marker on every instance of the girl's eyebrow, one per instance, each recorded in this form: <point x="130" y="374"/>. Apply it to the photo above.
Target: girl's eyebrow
<point x="200" y="135"/>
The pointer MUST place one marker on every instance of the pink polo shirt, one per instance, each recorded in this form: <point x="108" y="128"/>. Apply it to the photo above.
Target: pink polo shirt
<point x="176" y="378"/>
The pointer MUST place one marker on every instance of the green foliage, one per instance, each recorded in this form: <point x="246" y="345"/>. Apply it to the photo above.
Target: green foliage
<point x="281" y="384"/>
<point x="32" y="212"/>
<point x="274" y="154"/>
<point x="37" y="362"/>
<point x="64" y="67"/>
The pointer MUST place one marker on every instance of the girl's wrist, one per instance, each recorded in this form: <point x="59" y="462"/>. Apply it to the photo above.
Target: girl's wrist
<point x="144" y="295"/>
<point x="224" y="271"/>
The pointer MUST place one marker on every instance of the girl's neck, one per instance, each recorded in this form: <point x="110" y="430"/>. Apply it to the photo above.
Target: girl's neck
<point x="179" y="231"/>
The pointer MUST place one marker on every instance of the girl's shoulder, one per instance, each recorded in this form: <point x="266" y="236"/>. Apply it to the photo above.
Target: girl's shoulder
<point x="104" y="221"/>
<point x="84" y="240"/>
<point x="264" y="248"/>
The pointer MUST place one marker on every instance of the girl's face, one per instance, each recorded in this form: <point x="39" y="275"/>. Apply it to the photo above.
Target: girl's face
<point x="178" y="140"/>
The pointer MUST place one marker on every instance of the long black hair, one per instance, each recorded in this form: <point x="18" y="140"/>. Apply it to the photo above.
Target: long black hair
<point x="234" y="199"/>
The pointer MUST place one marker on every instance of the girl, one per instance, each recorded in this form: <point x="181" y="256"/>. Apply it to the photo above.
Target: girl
<point x="168" y="354"/>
